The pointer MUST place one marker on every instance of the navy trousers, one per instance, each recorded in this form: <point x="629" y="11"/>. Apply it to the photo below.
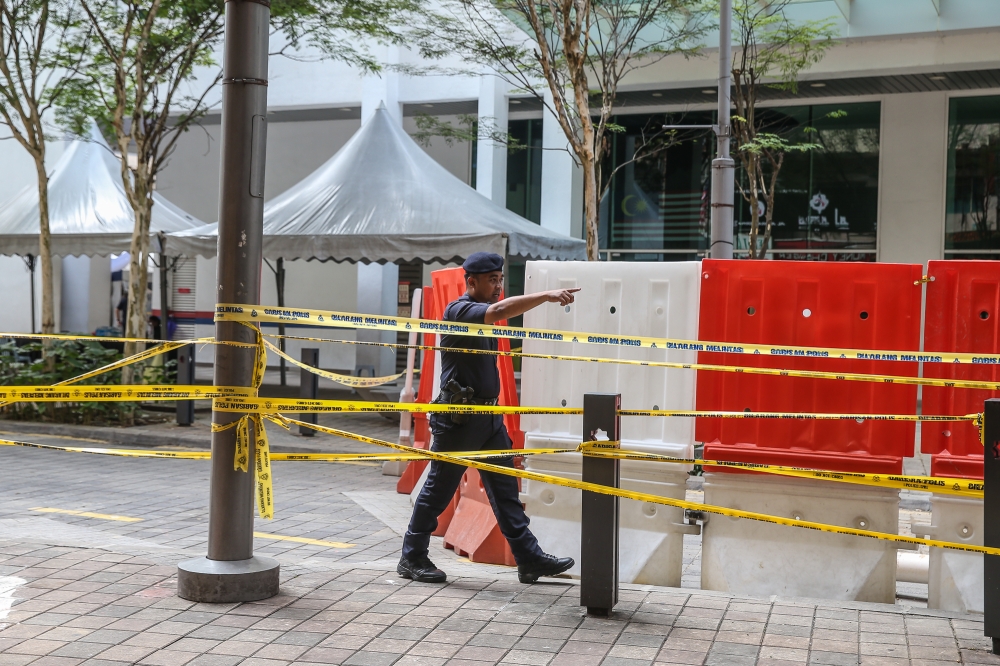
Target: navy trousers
<point x="482" y="432"/>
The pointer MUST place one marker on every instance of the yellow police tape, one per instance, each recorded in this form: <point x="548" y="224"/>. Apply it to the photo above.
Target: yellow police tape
<point x="346" y="380"/>
<point x="940" y="485"/>
<point x="326" y="318"/>
<point x="298" y="405"/>
<point x="931" y="484"/>
<point x="284" y="457"/>
<point x="774" y="372"/>
<point x="639" y="496"/>
<point x="70" y="336"/>
<point x="470" y="459"/>
<point x="118" y="453"/>
<point x="119" y="392"/>
<point x="135" y="358"/>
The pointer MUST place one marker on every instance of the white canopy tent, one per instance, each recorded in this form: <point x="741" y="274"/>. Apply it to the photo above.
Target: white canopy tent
<point x="381" y="198"/>
<point x="89" y="213"/>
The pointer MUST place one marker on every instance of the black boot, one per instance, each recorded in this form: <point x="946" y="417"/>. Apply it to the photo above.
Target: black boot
<point x="546" y="566"/>
<point x="421" y="571"/>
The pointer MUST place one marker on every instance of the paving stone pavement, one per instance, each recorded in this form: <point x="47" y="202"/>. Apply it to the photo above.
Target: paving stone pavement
<point x="98" y="589"/>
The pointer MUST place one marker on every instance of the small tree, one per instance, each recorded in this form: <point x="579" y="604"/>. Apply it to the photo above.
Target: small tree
<point x="771" y="53"/>
<point x="33" y="34"/>
<point x="571" y="55"/>
<point x="139" y="80"/>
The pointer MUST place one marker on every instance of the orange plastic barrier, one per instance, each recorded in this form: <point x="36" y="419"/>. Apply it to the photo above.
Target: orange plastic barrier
<point x="818" y="304"/>
<point x="963" y="311"/>
<point x="419" y="426"/>
<point x="473" y="531"/>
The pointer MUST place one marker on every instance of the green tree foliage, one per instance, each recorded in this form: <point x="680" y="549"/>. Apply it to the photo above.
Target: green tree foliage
<point x="147" y="68"/>
<point x="33" y="36"/>
<point x="23" y="365"/>
<point x="571" y="55"/>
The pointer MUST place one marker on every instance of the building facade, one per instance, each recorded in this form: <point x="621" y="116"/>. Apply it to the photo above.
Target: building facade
<point x="905" y="106"/>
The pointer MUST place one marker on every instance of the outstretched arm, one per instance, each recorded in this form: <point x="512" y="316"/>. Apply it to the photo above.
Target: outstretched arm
<point x="518" y="305"/>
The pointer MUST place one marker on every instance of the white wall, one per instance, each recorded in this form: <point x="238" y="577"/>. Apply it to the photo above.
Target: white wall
<point x="75" y="302"/>
<point x="456" y="158"/>
<point x="294" y="150"/>
<point x="308" y="284"/>
<point x="321" y="285"/>
<point x="17" y="168"/>
<point x="376" y="291"/>
<point x="912" y="172"/>
<point x="562" y="181"/>
<point x="99" y="306"/>
<point x="15" y="285"/>
<point x="204" y="296"/>
<point x="85" y="300"/>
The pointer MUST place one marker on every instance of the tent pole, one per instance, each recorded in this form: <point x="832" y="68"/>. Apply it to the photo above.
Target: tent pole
<point x="164" y="287"/>
<point x="30" y="261"/>
<point x="231" y="573"/>
<point x="279" y="281"/>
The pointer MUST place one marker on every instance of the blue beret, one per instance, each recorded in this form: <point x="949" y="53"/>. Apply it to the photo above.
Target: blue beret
<point x="483" y="262"/>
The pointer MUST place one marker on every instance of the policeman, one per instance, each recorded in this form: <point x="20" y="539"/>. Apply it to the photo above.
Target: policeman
<point x="473" y="379"/>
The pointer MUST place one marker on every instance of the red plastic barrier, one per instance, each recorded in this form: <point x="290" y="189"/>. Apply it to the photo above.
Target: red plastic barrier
<point x="963" y="315"/>
<point x="816" y="304"/>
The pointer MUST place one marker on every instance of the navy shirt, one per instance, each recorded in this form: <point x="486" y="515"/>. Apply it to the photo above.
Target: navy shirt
<point x="476" y="370"/>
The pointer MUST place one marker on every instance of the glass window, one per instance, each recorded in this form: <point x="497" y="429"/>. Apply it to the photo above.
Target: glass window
<point x="971" y="229"/>
<point x="660" y="201"/>
<point x="524" y="169"/>
<point x="826" y="200"/>
<point x="826" y="205"/>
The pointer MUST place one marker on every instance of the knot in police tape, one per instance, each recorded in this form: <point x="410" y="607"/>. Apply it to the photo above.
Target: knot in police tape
<point x="264" y="485"/>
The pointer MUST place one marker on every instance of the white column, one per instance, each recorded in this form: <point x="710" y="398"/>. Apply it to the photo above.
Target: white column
<point x="913" y="163"/>
<point x="491" y="157"/>
<point x="562" y="180"/>
<point x="378" y="89"/>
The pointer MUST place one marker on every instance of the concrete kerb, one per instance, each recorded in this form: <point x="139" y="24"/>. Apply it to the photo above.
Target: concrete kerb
<point x="161" y="435"/>
<point x="137" y="436"/>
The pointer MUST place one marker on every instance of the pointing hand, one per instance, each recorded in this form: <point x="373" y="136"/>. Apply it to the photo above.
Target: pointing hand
<point x="562" y="296"/>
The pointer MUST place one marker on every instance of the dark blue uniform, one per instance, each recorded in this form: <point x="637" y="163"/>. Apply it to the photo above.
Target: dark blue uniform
<point x="481" y="432"/>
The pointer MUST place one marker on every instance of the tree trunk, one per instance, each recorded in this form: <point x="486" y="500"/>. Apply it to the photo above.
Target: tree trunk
<point x="591" y="209"/>
<point x="135" y="323"/>
<point x="45" y="245"/>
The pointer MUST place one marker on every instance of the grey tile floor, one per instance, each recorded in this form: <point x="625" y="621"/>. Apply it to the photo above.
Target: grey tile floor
<point x="78" y="589"/>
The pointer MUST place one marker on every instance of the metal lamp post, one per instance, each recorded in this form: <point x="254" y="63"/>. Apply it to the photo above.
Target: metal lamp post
<point x="723" y="167"/>
<point x="231" y="573"/>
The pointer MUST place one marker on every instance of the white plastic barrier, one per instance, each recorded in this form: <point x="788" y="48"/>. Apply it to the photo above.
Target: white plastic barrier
<point x="955" y="579"/>
<point x="618" y="298"/>
<point x="746" y="557"/>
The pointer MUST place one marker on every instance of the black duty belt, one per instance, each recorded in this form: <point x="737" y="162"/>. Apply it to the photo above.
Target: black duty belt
<point x="448" y="398"/>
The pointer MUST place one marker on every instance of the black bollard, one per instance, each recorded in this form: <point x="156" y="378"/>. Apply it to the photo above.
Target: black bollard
<point x="185" y="375"/>
<point x="599" y="515"/>
<point x="309" y="388"/>
<point x="991" y="522"/>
